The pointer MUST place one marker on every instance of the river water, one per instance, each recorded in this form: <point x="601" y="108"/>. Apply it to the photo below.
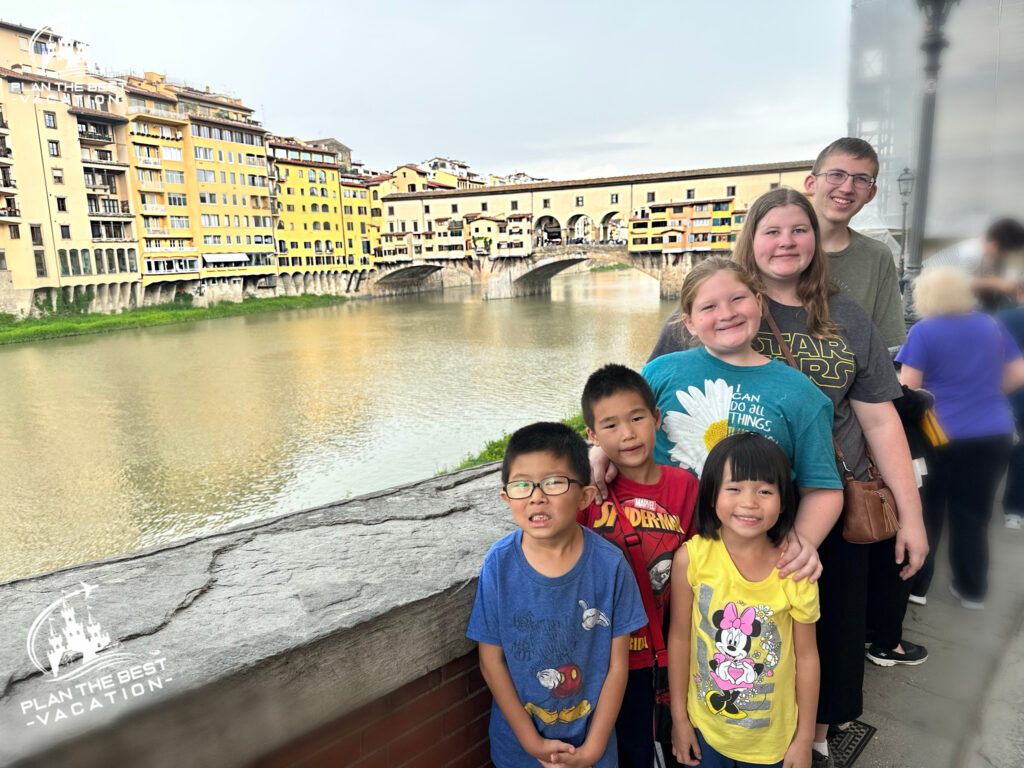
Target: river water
<point x="117" y="442"/>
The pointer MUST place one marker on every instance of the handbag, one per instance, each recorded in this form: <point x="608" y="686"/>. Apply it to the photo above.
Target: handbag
<point x="869" y="508"/>
<point x="653" y="630"/>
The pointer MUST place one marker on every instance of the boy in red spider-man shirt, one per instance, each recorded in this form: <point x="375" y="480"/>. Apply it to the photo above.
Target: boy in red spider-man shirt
<point x="622" y="418"/>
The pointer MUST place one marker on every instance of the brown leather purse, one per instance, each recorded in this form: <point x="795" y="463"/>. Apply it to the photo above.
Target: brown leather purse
<point x="869" y="508"/>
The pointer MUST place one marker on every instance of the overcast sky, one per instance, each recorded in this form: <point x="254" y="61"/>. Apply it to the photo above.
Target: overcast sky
<point x="555" y="88"/>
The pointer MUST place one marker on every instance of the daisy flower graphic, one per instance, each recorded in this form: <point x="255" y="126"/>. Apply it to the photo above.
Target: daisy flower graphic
<point x="764" y="612"/>
<point x="704" y="422"/>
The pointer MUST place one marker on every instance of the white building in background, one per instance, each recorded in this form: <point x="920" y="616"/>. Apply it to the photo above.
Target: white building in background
<point x="978" y="146"/>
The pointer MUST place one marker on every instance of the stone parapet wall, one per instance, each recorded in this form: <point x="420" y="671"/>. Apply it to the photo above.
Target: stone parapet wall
<point x="231" y="647"/>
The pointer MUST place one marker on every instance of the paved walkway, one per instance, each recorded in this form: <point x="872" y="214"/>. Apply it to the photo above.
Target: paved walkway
<point x="965" y="705"/>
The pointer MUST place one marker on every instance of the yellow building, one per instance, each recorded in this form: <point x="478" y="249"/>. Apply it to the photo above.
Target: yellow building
<point x="360" y="230"/>
<point x="206" y="190"/>
<point x="309" y="222"/>
<point x="67" y="231"/>
<point x="700" y="226"/>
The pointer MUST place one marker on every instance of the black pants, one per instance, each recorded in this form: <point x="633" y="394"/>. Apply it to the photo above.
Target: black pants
<point x="634" y="728"/>
<point x="842" y="593"/>
<point x="961" y="485"/>
<point x="1013" y="496"/>
<point x="887" y="595"/>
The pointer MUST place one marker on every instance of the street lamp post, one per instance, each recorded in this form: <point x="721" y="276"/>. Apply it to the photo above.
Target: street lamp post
<point x="935" y="12"/>
<point x="906" y="184"/>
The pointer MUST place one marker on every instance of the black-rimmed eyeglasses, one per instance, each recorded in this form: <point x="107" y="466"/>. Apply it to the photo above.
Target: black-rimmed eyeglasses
<point x="838" y="178"/>
<point x="555" y="485"/>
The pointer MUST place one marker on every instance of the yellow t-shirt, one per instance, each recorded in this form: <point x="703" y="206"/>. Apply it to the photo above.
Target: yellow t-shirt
<point x="742" y="694"/>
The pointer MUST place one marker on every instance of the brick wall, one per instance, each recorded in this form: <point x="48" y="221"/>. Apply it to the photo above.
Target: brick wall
<point x="437" y="721"/>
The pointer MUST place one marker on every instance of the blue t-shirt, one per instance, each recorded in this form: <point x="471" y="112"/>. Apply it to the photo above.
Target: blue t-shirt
<point x="557" y="637"/>
<point x="962" y="360"/>
<point x="703" y="399"/>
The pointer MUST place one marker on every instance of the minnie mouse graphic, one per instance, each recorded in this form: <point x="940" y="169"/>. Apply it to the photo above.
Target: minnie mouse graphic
<point x="732" y="669"/>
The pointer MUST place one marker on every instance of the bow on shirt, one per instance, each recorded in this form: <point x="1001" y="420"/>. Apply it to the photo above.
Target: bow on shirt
<point x="744" y="622"/>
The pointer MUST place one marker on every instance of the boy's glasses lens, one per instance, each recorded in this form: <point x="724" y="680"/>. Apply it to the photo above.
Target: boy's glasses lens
<point x="555" y="485"/>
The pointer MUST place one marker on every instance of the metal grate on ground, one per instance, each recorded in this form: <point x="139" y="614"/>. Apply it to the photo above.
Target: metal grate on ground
<point x="846" y="742"/>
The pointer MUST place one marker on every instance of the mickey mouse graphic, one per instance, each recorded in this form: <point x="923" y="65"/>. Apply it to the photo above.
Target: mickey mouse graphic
<point x="732" y="669"/>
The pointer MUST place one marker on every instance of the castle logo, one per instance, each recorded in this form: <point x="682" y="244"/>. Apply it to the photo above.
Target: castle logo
<point x="69" y="645"/>
<point x="59" y="56"/>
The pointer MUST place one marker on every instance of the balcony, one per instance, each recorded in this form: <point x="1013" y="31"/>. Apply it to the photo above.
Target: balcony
<point x="3" y="124"/>
<point x="108" y="239"/>
<point x="95" y="137"/>
<point x="164" y="113"/>
<point x="102" y="161"/>
<point x="10" y="213"/>
<point x="256" y="161"/>
<point x="5" y="154"/>
<point x="8" y="183"/>
<point x="147" y="184"/>
<point x="101" y="184"/>
<point x="170" y="248"/>
<point x="157" y="232"/>
<point x="154" y="208"/>
<point x="109" y="211"/>
<point x="152" y="162"/>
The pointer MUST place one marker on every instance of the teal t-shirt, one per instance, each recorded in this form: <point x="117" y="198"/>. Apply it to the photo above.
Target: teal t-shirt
<point x="703" y="399"/>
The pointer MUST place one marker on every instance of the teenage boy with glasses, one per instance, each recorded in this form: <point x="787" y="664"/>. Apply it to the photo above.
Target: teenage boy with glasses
<point x="841" y="183"/>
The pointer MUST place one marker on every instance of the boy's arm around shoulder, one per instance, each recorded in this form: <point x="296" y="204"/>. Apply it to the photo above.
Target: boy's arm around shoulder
<point x="684" y="738"/>
<point x="499" y="681"/>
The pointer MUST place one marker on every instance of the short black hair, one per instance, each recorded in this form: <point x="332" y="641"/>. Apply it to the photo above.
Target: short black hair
<point x="1007" y="234"/>
<point x="548" y="437"/>
<point x="612" y="378"/>
<point x="848" y="145"/>
<point x="750" y="456"/>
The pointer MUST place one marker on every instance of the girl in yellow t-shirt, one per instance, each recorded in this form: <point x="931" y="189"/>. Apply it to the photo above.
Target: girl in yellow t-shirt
<point x="744" y="670"/>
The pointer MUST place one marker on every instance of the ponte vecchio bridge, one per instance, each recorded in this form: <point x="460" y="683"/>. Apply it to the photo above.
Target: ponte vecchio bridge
<point x="515" y="238"/>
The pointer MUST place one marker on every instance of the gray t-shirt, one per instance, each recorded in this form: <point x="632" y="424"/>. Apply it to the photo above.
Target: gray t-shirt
<point x="852" y="366"/>
<point x="865" y="270"/>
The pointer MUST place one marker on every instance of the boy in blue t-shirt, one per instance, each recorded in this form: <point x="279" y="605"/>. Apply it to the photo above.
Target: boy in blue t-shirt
<point x="553" y="612"/>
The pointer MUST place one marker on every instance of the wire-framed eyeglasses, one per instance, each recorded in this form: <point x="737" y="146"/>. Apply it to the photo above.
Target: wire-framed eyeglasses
<point x="555" y="485"/>
<point x="838" y="178"/>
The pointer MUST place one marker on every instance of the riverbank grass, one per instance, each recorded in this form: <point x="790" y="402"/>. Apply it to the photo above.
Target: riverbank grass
<point x="13" y="331"/>
<point x="614" y="267"/>
<point x="494" y="450"/>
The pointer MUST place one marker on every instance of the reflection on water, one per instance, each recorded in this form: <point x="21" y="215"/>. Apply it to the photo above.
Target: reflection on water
<point x="112" y="443"/>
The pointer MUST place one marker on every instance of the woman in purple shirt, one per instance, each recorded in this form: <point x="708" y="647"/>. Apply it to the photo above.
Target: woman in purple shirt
<point x="965" y="358"/>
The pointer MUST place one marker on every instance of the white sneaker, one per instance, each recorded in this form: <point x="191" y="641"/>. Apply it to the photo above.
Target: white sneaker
<point x="918" y="599"/>
<point x="973" y="605"/>
<point x="1014" y="521"/>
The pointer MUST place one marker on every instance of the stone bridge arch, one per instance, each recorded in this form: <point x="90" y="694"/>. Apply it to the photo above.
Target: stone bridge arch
<point x="547" y="229"/>
<point x="614" y="229"/>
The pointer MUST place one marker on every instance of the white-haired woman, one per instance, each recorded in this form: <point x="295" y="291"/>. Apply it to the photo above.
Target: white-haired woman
<point x="967" y="360"/>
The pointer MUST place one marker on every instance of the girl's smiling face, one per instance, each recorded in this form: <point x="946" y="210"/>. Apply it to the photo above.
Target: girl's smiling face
<point x="783" y="245"/>
<point x="725" y="315"/>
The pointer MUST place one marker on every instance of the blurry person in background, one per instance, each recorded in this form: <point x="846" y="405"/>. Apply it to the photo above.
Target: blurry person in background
<point x="965" y="358"/>
<point x="1013" y="495"/>
<point x="995" y="262"/>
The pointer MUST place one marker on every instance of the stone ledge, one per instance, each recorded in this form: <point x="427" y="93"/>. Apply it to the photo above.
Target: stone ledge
<point x="266" y="631"/>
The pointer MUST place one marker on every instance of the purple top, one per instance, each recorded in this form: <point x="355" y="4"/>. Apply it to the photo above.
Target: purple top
<point x="962" y="359"/>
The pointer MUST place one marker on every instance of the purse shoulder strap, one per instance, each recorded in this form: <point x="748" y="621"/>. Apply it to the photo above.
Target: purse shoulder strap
<point x="643" y="581"/>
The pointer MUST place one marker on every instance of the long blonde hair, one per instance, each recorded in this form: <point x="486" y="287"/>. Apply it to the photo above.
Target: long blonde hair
<point x="814" y="287"/>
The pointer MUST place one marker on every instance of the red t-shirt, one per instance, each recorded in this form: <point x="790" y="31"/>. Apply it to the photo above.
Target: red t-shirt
<point x="660" y="515"/>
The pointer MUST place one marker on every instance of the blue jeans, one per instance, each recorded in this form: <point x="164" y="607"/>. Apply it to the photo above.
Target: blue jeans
<point x="709" y="758"/>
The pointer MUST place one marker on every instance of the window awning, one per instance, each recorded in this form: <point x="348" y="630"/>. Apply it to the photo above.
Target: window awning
<point x="224" y="258"/>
